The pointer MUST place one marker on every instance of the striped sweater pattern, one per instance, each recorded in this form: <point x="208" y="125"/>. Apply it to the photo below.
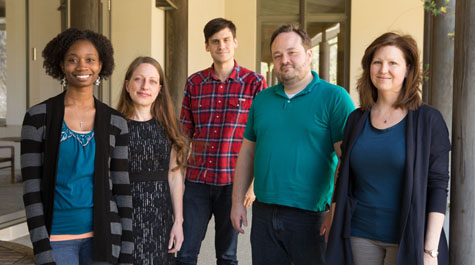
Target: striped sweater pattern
<point x="113" y="238"/>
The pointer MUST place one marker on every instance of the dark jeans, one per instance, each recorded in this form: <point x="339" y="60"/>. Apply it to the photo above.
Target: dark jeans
<point x="283" y="235"/>
<point x="199" y="203"/>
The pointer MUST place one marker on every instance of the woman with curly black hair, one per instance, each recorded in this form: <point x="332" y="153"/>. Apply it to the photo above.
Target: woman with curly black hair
<point x="74" y="161"/>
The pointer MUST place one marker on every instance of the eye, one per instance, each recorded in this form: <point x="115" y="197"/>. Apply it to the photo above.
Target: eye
<point x="71" y="60"/>
<point x="153" y="82"/>
<point x="90" y="60"/>
<point x="392" y="63"/>
<point x="277" y="56"/>
<point x="376" y="62"/>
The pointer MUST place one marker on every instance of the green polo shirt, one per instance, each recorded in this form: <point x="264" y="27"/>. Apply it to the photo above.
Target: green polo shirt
<point x="294" y="162"/>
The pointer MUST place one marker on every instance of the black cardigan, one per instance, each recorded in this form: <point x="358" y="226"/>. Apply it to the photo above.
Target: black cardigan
<point x="41" y="130"/>
<point x="424" y="188"/>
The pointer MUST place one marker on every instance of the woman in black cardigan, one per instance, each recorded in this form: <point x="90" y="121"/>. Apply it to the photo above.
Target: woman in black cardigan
<point x="391" y="193"/>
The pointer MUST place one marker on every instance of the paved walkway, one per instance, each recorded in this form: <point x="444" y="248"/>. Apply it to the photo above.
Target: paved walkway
<point x="13" y="253"/>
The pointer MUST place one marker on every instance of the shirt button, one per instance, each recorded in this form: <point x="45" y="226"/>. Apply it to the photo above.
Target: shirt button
<point x="212" y="147"/>
<point x="220" y="86"/>
<point x="219" y="101"/>
<point x="215" y="131"/>
<point x="210" y="161"/>
<point x="217" y="116"/>
<point x="238" y="105"/>
<point x="288" y="101"/>
<point x="200" y="105"/>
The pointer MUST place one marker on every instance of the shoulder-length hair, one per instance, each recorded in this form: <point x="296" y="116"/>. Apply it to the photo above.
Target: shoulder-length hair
<point x="162" y="110"/>
<point x="409" y="97"/>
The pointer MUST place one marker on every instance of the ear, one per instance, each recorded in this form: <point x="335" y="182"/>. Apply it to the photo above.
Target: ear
<point x="206" y="46"/>
<point x="235" y="43"/>
<point x="127" y="86"/>
<point x="61" y="64"/>
<point x="309" y="53"/>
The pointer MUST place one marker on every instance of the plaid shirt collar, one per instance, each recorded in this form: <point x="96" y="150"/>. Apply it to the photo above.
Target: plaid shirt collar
<point x="234" y="74"/>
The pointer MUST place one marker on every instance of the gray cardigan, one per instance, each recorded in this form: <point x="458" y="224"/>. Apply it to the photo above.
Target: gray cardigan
<point x="113" y="240"/>
<point x="424" y="188"/>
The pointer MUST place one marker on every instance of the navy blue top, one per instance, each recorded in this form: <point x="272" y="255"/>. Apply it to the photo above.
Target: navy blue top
<point x="377" y="161"/>
<point x="73" y="198"/>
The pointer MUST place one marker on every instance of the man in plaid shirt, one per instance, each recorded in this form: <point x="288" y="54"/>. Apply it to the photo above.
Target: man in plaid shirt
<point x="214" y="115"/>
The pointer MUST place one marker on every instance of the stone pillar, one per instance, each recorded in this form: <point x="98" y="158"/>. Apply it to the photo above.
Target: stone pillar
<point x="442" y="62"/>
<point x="426" y="55"/>
<point x="85" y="14"/>
<point x="324" y="64"/>
<point x="462" y="212"/>
<point x="176" y="51"/>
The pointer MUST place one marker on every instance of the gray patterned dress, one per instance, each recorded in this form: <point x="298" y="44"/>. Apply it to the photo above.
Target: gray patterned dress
<point x="152" y="220"/>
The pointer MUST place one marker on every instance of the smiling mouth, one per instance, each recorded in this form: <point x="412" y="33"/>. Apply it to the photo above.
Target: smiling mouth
<point x="82" y="76"/>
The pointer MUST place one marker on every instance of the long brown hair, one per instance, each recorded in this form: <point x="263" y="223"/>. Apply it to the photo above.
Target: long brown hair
<point x="410" y="97"/>
<point x="162" y="110"/>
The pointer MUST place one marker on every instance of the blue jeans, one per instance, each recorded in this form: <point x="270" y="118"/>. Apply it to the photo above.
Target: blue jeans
<point x="73" y="252"/>
<point x="283" y="235"/>
<point x="199" y="203"/>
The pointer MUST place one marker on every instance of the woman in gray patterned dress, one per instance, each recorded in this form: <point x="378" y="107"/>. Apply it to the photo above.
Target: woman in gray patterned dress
<point x="157" y="157"/>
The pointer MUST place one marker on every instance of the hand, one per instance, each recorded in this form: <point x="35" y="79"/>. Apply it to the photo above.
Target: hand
<point x="249" y="197"/>
<point x="326" y="225"/>
<point x="429" y="260"/>
<point x="238" y="215"/>
<point x="176" y="238"/>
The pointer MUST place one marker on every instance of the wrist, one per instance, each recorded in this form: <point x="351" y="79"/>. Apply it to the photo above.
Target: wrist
<point x="178" y="220"/>
<point x="431" y="252"/>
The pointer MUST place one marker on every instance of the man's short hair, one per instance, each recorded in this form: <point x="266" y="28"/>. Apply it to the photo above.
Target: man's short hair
<point x="306" y="41"/>
<point x="216" y="25"/>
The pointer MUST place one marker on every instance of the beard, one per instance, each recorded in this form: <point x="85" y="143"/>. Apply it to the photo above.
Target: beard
<point x="292" y="74"/>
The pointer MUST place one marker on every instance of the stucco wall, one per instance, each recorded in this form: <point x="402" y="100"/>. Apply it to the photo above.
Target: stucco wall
<point x="16" y="61"/>
<point x="240" y="13"/>
<point x="370" y="19"/>
<point x="137" y="33"/>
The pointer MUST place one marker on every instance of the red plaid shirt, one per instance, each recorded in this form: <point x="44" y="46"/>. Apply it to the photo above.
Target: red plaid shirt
<point x="214" y="116"/>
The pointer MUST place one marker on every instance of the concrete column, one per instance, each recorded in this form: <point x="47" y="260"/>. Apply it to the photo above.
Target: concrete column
<point x="442" y="62"/>
<point x="176" y="51"/>
<point x="324" y="64"/>
<point x="85" y="14"/>
<point x="426" y="54"/>
<point x="462" y="212"/>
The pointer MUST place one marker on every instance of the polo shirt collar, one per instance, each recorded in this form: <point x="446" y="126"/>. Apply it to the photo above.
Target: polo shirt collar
<point x="279" y="88"/>
<point x="234" y="74"/>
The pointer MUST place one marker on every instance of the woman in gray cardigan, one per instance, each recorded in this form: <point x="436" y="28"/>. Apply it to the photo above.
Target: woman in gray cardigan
<point x="391" y="193"/>
<point x="74" y="161"/>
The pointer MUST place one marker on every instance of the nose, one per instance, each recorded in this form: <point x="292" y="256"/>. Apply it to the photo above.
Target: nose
<point x="285" y="58"/>
<point x="145" y="84"/>
<point x="384" y="67"/>
<point x="81" y="64"/>
<point x="221" y="44"/>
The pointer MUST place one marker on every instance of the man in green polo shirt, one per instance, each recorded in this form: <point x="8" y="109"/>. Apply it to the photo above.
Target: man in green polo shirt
<point x="291" y="145"/>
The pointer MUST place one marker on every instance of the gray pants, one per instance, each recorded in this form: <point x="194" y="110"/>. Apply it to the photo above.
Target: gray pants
<point x="373" y="252"/>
